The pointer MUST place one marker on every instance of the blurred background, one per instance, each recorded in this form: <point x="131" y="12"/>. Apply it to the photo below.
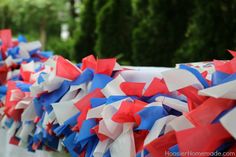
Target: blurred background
<point x="137" y="32"/>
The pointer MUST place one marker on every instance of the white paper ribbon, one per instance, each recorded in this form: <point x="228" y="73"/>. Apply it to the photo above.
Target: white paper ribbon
<point x="157" y="128"/>
<point x="178" y="78"/>
<point x="228" y="122"/>
<point x="113" y="87"/>
<point x="225" y="90"/>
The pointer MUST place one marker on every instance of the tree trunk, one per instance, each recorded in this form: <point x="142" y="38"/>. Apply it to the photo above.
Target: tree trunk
<point x="43" y="33"/>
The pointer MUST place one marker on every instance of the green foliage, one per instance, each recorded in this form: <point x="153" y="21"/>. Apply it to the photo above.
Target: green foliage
<point x="28" y="16"/>
<point x="98" y="4"/>
<point x="85" y="34"/>
<point x="210" y="32"/>
<point x="140" y="10"/>
<point x="37" y="19"/>
<point x="113" y="28"/>
<point x="140" y="32"/>
<point x="64" y="48"/>
<point x="5" y="14"/>
<point x="157" y="36"/>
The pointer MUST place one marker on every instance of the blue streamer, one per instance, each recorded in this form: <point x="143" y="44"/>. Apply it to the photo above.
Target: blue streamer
<point x="196" y="73"/>
<point x="149" y="115"/>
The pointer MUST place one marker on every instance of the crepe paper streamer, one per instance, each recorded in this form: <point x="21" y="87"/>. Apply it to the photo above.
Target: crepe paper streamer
<point x="141" y="74"/>
<point x="23" y="86"/>
<point x="113" y="87"/>
<point x="233" y="53"/>
<point x="52" y="84"/>
<point x="86" y="76"/>
<point x="95" y="102"/>
<point x="84" y="105"/>
<point x="100" y="66"/>
<point x="107" y="126"/>
<point x="91" y="147"/>
<point x="225" y="66"/>
<point x="41" y="78"/>
<point x="9" y="109"/>
<point x="27" y="128"/>
<point x="231" y="77"/>
<point x="124" y="145"/>
<point x="218" y="77"/>
<point x="22" y="39"/>
<point x="200" y="135"/>
<point x="222" y="114"/>
<point x="3" y="74"/>
<point x="131" y="88"/>
<point x="6" y="37"/>
<point x="194" y="100"/>
<point x="64" y="129"/>
<point x="68" y="142"/>
<point x="157" y="128"/>
<point x="143" y="153"/>
<point x="178" y="124"/>
<point x="184" y="79"/>
<point x="25" y="48"/>
<point x="74" y="93"/>
<point x="101" y="148"/>
<point x="153" y="90"/>
<point x="99" y="108"/>
<point x="3" y="89"/>
<point x="66" y="69"/>
<point x="100" y="81"/>
<point x="45" y="54"/>
<point x="227" y="121"/>
<point x="88" y="62"/>
<point x="47" y="99"/>
<point x="114" y="99"/>
<point x="174" y="150"/>
<point x="173" y="103"/>
<point x="149" y="115"/>
<point x="209" y="110"/>
<point x="139" y="137"/>
<point x="85" y="130"/>
<point x="105" y="66"/>
<point x="232" y="63"/>
<point x="224" y="90"/>
<point x="85" y="101"/>
<point x="64" y="110"/>
<point x="96" y="112"/>
<point x="99" y="135"/>
<point x="127" y="111"/>
<point x="13" y="52"/>
<point x="29" y="113"/>
<point x="161" y="145"/>
<point x="28" y="66"/>
<point x="196" y="73"/>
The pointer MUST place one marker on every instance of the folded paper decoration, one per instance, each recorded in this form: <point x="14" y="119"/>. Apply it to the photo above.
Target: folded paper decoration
<point x="100" y="108"/>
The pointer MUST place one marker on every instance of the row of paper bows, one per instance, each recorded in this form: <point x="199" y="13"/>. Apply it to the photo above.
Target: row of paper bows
<point x="100" y="108"/>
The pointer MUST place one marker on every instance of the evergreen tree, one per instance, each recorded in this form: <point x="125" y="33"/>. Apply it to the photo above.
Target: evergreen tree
<point x="211" y="31"/>
<point x="98" y="4"/>
<point x="160" y="34"/>
<point x="140" y="10"/>
<point x="85" y="33"/>
<point x="113" y="28"/>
